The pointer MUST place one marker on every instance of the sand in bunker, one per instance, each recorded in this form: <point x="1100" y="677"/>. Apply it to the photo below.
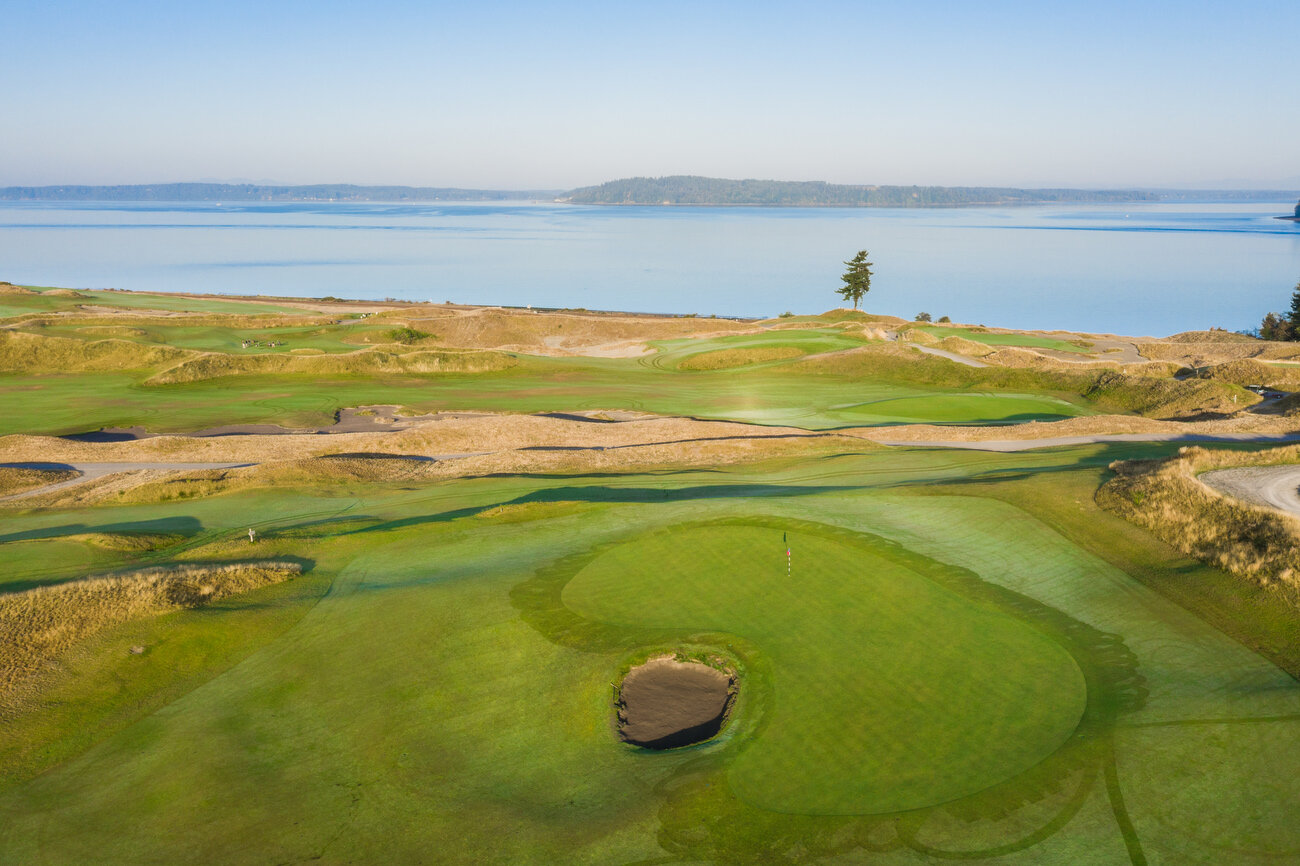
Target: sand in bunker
<point x="665" y="703"/>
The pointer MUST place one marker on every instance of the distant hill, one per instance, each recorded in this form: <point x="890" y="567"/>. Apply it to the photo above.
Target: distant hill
<point x="692" y="190"/>
<point x="259" y="192"/>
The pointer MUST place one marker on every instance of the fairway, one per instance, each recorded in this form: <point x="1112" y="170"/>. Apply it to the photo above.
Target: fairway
<point x="872" y="711"/>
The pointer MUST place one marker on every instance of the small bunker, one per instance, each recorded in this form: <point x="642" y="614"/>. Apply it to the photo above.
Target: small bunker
<point x="665" y="704"/>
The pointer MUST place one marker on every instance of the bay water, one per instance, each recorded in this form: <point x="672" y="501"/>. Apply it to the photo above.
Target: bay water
<point x="1137" y="269"/>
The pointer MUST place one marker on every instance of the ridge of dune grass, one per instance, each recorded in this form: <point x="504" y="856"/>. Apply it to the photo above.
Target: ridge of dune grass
<point x="38" y="624"/>
<point x="1165" y="497"/>
<point x="35" y="353"/>
<point x="726" y="359"/>
<point x="16" y="479"/>
<point x="1107" y="388"/>
<point x="216" y="366"/>
<point x="1249" y="371"/>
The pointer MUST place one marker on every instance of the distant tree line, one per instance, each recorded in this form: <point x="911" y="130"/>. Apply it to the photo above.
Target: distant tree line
<point x="692" y="190"/>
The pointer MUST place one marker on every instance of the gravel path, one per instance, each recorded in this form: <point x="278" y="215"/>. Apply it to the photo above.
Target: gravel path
<point x="91" y="471"/>
<point x="1273" y="486"/>
<point x="1054" y="441"/>
<point x="951" y="356"/>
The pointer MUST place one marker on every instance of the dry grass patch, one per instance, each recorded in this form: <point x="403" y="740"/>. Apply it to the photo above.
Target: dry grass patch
<point x="548" y="332"/>
<point x="962" y="346"/>
<point x="38" y="625"/>
<point x="21" y="352"/>
<point x="1165" y="497"/>
<point x="16" y="479"/>
<point x="366" y="362"/>
<point x="725" y="359"/>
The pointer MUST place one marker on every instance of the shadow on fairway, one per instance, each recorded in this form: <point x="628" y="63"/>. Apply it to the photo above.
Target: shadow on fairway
<point x="178" y="525"/>
<point x="615" y="495"/>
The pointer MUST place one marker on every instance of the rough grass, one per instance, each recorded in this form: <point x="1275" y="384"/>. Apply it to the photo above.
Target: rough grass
<point x="16" y="479"/>
<point x="725" y="359"/>
<point x="487" y="329"/>
<point x="1251" y="372"/>
<point x="1165" y="497"/>
<point x="37" y="625"/>
<point x="1106" y="388"/>
<point x="367" y="362"/>
<point x="34" y="353"/>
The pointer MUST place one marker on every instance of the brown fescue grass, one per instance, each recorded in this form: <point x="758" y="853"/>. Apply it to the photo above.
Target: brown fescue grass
<point x="35" y="353"/>
<point x="1211" y="337"/>
<point x="16" y="479"/>
<point x="38" y="625"/>
<point x="1252" y="372"/>
<point x="365" y="362"/>
<point x="1201" y="353"/>
<point x="962" y="346"/>
<point x="1106" y="387"/>
<point x="1164" y="496"/>
<point x="549" y="332"/>
<point x="726" y="359"/>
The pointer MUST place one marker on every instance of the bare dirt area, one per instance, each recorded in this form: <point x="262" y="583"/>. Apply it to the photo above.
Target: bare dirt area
<point x="666" y="704"/>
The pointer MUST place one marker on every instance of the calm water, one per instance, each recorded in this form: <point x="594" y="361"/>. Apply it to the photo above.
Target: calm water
<point x="1135" y="269"/>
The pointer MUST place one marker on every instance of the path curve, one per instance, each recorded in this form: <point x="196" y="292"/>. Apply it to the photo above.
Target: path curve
<point x="951" y="356"/>
<point x="91" y="471"/>
<point x="1097" y="439"/>
<point x="1271" y="486"/>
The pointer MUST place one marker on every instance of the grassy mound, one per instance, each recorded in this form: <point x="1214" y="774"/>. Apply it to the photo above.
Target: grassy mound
<point x="1106" y="389"/>
<point x="1214" y="336"/>
<point x="33" y="353"/>
<point x="368" y="362"/>
<point x="16" y="479"/>
<point x="1164" y="497"/>
<point x="871" y="714"/>
<point x="39" y="624"/>
<point x="726" y="359"/>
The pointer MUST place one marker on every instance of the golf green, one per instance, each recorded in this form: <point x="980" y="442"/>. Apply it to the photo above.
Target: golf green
<point x="889" y="691"/>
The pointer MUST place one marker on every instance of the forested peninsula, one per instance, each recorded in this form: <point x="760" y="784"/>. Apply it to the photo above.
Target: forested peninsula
<point x="677" y="190"/>
<point x="692" y="190"/>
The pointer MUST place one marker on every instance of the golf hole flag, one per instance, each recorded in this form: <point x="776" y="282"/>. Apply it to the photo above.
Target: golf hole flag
<point x="786" y="542"/>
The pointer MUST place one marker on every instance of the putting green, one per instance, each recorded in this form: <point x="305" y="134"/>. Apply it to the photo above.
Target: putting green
<point x="871" y="711"/>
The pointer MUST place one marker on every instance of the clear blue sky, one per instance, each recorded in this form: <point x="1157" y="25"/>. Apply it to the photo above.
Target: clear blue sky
<point x="554" y="95"/>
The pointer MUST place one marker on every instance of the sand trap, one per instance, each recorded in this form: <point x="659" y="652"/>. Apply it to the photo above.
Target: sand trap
<point x="664" y="703"/>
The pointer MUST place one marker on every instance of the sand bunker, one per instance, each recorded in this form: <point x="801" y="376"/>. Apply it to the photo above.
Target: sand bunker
<point x="664" y="703"/>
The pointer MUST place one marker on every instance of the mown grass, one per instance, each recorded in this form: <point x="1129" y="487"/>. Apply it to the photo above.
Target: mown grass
<point x="864" y="721"/>
<point x="423" y="702"/>
<point x="992" y="339"/>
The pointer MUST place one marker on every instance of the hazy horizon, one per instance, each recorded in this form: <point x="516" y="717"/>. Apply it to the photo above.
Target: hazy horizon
<point x="516" y="96"/>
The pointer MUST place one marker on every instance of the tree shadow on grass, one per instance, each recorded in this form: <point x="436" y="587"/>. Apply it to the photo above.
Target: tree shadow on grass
<point x="181" y="524"/>
<point x="617" y="495"/>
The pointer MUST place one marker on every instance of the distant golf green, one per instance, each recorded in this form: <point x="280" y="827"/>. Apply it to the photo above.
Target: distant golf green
<point x="872" y="714"/>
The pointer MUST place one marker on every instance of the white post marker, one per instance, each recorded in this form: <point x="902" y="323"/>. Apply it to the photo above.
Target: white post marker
<point x="252" y="536"/>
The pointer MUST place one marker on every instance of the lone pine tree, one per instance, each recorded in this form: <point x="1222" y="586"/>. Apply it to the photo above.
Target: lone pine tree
<point x="857" y="279"/>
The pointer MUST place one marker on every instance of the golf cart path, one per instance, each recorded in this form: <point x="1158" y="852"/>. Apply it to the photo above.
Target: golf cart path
<point x="951" y="356"/>
<point x="1095" y="439"/>
<point x="1271" y="486"/>
<point x="91" y="471"/>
